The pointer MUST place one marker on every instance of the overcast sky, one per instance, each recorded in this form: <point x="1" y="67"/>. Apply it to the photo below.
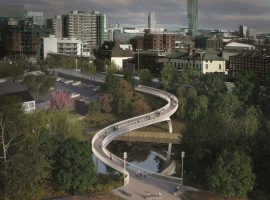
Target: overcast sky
<point x="226" y="14"/>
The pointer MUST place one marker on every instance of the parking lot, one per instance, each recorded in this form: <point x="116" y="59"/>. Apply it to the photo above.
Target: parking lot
<point x="76" y="88"/>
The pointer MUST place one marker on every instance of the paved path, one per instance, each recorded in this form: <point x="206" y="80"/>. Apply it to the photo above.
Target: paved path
<point x="138" y="187"/>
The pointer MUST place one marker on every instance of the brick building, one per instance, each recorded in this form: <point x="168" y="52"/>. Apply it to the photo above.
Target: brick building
<point x="159" y="41"/>
<point x="256" y="61"/>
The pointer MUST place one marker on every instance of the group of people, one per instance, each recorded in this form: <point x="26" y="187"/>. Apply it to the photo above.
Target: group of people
<point x="140" y="174"/>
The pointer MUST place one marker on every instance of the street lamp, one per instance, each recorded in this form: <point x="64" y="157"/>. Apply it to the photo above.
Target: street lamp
<point x="201" y="53"/>
<point x="182" y="156"/>
<point x="125" y="157"/>
<point x="138" y="52"/>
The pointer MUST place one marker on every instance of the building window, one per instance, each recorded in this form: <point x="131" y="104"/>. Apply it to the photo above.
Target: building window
<point x="210" y="61"/>
<point x="206" y="66"/>
<point x="219" y="66"/>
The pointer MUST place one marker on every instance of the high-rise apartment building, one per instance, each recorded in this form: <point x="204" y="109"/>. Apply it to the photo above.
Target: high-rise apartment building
<point x="243" y="31"/>
<point x="192" y="14"/>
<point x="151" y="20"/>
<point x="90" y="27"/>
<point x="57" y="26"/>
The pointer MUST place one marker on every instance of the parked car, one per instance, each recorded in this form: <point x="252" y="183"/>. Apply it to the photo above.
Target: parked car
<point x="74" y="95"/>
<point x="68" y="81"/>
<point x="96" y="88"/>
<point x="75" y="83"/>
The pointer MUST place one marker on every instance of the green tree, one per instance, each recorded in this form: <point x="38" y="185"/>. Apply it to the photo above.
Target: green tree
<point x="28" y="169"/>
<point x="212" y="84"/>
<point x="74" y="168"/>
<point x="145" y="76"/>
<point x="111" y="82"/>
<point x="198" y="107"/>
<point x="168" y="77"/>
<point x="88" y="67"/>
<point x="94" y="107"/>
<point x="123" y="105"/>
<point x="246" y="86"/>
<point x="226" y="105"/>
<point x="232" y="174"/>
<point x="188" y="76"/>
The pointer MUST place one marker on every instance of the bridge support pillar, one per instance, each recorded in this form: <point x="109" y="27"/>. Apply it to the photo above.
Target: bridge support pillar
<point x="169" y="151"/>
<point x="170" y="126"/>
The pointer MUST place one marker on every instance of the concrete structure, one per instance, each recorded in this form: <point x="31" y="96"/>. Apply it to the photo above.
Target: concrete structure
<point x="124" y="38"/>
<point x="52" y="44"/>
<point x="238" y="46"/>
<point x="46" y="45"/>
<point x="20" y="37"/>
<point x="192" y="14"/>
<point x="20" y="91"/>
<point x="57" y="26"/>
<point x="152" y="20"/>
<point x="201" y="62"/>
<point x="256" y="61"/>
<point x="89" y="27"/>
<point x="103" y="137"/>
<point x="252" y="33"/>
<point x="243" y="31"/>
<point x="69" y="46"/>
<point x="37" y="17"/>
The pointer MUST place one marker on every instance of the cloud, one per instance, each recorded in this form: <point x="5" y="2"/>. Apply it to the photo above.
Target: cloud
<point x="212" y="13"/>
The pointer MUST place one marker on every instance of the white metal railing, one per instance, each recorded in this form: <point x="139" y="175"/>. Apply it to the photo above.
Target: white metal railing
<point x="103" y="137"/>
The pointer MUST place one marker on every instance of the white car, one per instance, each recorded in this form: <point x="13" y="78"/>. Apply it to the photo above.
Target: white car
<point x="75" y="83"/>
<point x="68" y="81"/>
<point x="59" y="79"/>
<point x="96" y="88"/>
<point x="74" y="95"/>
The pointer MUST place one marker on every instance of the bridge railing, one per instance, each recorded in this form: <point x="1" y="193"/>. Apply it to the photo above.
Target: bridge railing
<point x="109" y="133"/>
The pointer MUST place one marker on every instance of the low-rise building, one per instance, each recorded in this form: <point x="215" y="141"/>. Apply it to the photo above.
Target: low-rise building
<point x="52" y="44"/>
<point x="205" y="42"/>
<point x="201" y="62"/>
<point x="20" y="91"/>
<point x="256" y="61"/>
<point x="112" y="52"/>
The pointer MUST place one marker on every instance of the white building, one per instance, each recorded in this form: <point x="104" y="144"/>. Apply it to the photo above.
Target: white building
<point x="201" y="62"/>
<point x="70" y="46"/>
<point x="89" y="27"/>
<point x="46" y="45"/>
<point x="238" y="46"/>
<point x="51" y="44"/>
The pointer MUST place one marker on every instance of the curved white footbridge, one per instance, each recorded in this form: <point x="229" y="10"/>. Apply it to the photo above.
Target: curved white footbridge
<point x="103" y="137"/>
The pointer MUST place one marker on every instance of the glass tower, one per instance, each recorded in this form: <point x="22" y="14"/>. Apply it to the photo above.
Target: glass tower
<point x="192" y="14"/>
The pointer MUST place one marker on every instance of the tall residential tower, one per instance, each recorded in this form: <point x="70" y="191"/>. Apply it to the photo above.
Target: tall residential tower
<point x="192" y="14"/>
<point x="151" y="20"/>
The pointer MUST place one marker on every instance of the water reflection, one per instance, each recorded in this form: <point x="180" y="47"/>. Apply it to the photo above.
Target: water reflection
<point x="139" y="154"/>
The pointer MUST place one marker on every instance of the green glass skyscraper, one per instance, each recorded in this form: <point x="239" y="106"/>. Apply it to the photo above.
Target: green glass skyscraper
<point x="192" y="14"/>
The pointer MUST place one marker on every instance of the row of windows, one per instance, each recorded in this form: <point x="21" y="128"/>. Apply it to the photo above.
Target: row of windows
<point x="194" y="66"/>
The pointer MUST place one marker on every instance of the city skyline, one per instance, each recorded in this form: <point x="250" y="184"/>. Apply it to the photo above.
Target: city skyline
<point x="212" y="14"/>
